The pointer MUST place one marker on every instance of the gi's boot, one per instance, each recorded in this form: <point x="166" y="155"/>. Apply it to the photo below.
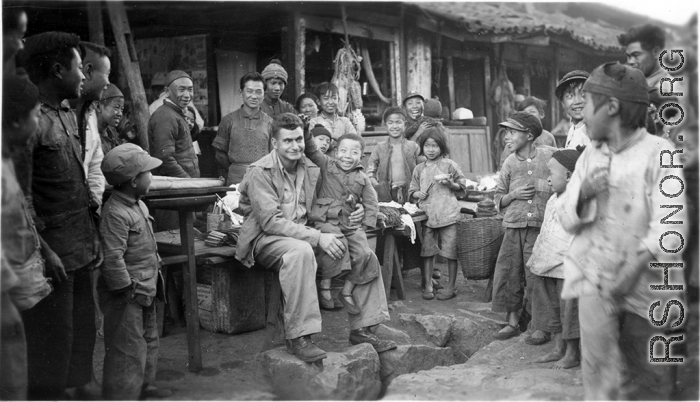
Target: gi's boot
<point x="363" y="335"/>
<point x="305" y="349"/>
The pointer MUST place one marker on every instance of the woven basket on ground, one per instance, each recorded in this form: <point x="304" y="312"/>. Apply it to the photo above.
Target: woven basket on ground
<point x="478" y="243"/>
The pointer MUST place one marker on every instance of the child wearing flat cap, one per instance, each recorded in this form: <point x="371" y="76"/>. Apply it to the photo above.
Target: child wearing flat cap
<point x="569" y="91"/>
<point x="614" y="207"/>
<point x="551" y="314"/>
<point x="521" y="194"/>
<point x="130" y="277"/>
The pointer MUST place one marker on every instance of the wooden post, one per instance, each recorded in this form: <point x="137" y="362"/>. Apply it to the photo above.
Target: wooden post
<point x="488" y="108"/>
<point x="189" y="278"/>
<point x="526" y="78"/>
<point x="130" y="65"/>
<point x="419" y="67"/>
<point x="295" y="58"/>
<point x="553" y="79"/>
<point x="397" y="66"/>
<point x="451" y="83"/>
<point x="97" y="32"/>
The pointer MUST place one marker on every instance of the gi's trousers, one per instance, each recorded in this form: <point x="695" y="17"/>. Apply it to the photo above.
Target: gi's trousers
<point x="13" y="353"/>
<point x="510" y="276"/>
<point x="60" y="332"/>
<point x="615" y="354"/>
<point x="131" y="346"/>
<point x="296" y="264"/>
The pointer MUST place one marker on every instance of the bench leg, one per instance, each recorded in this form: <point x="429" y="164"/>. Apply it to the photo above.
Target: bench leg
<point x="397" y="277"/>
<point x="388" y="262"/>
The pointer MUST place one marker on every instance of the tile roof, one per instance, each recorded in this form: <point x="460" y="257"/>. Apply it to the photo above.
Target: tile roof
<point x="524" y="19"/>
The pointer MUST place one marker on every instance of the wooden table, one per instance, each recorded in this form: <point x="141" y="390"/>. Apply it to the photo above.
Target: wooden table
<point x="391" y="267"/>
<point x="186" y="202"/>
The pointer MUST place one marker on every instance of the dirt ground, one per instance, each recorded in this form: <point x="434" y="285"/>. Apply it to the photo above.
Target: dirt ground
<point x="229" y="371"/>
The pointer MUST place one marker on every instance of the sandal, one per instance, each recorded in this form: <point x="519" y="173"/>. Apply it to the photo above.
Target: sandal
<point x="540" y="340"/>
<point x="428" y="295"/>
<point x="507" y="335"/>
<point x="349" y="303"/>
<point x="326" y="304"/>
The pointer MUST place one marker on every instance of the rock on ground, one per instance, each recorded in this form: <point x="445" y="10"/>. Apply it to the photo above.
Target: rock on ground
<point x="436" y="327"/>
<point x="350" y="374"/>
<point x="501" y="370"/>
<point x="412" y="358"/>
<point x="468" y="335"/>
<point x="392" y="334"/>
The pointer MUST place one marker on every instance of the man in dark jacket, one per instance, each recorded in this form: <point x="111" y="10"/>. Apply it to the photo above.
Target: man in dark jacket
<point x="168" y="133"/>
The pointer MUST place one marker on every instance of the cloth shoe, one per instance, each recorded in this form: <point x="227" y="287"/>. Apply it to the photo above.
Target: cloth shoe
<point x="363" y="335"/>
<point x="325" y="303"/>
<point x="304" y="349"/>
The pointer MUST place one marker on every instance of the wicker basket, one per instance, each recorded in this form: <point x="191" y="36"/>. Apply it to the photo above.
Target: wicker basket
<point x="478" y="243"/>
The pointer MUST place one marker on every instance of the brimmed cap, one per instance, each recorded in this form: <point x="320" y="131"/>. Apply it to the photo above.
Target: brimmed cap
<point x="275" y="70"/>
<point x="523" y="121"/>
<point x="320" y="130"/>
<point x="576" y="75"/>
<point x="174" y="75"/>
<point x="393" y="110"/>
<point x="125" y="162"/>
<point x="412" y="94"/>
<point x="112" y="92"/>
<point x="619" y="81"/>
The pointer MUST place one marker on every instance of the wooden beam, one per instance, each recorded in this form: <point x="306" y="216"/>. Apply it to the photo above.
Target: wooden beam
<point x="130" y="65"/>
<point x="451" y="83"/>
<point x="213" y="107"/>
<point x="468" y="55"/>
<point x="526" y="78"/>
<point x="299" y="36"/>
<point x="553" y="79"/>
<point x="460" y="34"/>
<point x="418" y="63"/>
<point x="487" y="106"/>
<point x="95" y="26"/>
<point x="397" y="58"/>
<point x="359" y="29"/>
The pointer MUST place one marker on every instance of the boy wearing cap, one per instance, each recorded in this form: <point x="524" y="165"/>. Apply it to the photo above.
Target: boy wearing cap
<point x="613" y="206"/>
<point x="522" y="192"/>
<point x="110" y="110"/>
<point x="327" y="94"/>
<point x="391" y="164"/>
<point x="570" y="93"/>
<point x="168" y="133"/>
<point x="323" y="140"/>
<point x="130" y="276"/>
<point x="414" y="107"/>
<point x="535" y="107"/>
<point x="275" y="77"/>
<point x="549" y="312"/>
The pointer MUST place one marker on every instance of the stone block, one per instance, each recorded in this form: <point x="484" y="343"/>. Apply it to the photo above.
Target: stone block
<point x="412" y="358"/>
<point x="392" y="334"/>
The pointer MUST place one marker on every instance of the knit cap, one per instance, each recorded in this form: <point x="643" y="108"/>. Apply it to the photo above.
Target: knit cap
<point x="112" y="92"/>
<point x="320" y="130"/>
<point x="174" y="75"/>
<point x="433" y="108"/>
<point x="275" y="70"/>
<point x="619" y="81"/>
<point x="568" y="157"/>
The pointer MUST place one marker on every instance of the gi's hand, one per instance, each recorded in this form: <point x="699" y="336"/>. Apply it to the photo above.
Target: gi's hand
<point x="99" y="256"/>
<point x="421" y="195"/>
<point x="596" y="182"/>
<point x="525" y="192"/>
<point x="331" y="245"/>
<point x="54" y="268"/>
<point x="357" y="215"/>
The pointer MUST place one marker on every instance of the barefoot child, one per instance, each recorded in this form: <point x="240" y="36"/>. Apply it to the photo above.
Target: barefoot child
<point x="613" y="206"/>
<point x="521" y="195"/>
<point x="570" y="94"/>
<point x="344" y="184"/>
<point x="434" y="184"/>
<point x="549" y="312"/>
<point x="129" y="278"/>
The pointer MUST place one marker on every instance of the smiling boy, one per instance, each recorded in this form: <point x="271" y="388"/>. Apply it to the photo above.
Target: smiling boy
<point x="327" y="94"/>
<point x="570" y="94"/>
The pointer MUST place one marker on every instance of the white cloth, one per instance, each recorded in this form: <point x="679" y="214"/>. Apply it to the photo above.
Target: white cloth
<point x="92" y="164"/>
<point x="408" y="221"/>
<point x="577" y="136"/>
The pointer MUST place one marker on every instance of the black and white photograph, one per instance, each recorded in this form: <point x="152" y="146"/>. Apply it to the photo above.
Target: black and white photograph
<point x="349" y="200"/>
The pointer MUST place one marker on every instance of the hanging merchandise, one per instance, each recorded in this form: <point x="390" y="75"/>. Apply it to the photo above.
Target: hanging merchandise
<point x="346" y="77"/>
